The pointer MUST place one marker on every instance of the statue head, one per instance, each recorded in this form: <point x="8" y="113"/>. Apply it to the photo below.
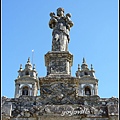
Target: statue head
<point x="60" y="12"/>
<point x="68" y="15"/>
<point x="52" y="14"/>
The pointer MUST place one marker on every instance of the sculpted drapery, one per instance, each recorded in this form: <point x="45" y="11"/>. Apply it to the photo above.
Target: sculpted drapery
<point x="61" y="26"/>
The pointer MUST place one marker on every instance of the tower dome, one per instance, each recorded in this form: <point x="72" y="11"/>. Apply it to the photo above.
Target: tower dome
<point x="84" y="65"/>
<point x="28" y="65"/>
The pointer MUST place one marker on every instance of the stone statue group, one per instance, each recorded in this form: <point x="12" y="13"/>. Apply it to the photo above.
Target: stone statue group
<point x="61" y="26"/>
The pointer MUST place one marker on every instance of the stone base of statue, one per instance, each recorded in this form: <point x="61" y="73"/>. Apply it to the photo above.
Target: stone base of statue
<point x="60" y="90"/>
<point x="58" y="63"/>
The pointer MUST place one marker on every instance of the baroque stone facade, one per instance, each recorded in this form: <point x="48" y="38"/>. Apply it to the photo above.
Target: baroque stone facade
<point x="62" y="96"/>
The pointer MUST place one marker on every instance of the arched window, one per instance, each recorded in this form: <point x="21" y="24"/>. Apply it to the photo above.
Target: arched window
<point x="87" y="91"/>
<point x="26" y="73"/>
<point x="85" y="73"/>
<point x="25" y="90"/>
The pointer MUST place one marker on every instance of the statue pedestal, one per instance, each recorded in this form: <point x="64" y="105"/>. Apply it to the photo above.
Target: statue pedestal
<point x="59" y="90"/>
<point x="58" y="63"/>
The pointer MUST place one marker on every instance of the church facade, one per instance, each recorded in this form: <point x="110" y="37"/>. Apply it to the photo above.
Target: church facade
<point x="62" y="96"/>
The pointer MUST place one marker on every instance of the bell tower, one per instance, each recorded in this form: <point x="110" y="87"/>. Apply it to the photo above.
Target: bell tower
<point x="88" y="84"/>
<point x="27" y="81"/>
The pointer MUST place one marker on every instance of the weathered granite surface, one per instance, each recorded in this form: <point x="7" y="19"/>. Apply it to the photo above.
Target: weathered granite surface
<point x="58" y="63"/>
<point x="61" y="25"/>
<point x="34" y="107"/>
<point x="59" y="98"/>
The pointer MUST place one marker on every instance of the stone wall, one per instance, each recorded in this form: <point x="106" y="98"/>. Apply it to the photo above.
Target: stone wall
<point x="35" y="108"/>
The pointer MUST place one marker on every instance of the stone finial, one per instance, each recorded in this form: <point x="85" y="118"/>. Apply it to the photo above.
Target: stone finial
<point x="20" y="66"/>
<point x="28" y="65"/>
<point x="78" y="66"/>
<point x="84" y="60"/>
<point x="33" y="66"/>
<point x="84" y="65"/>
<point x="28" y="60"/>
<point x="91" y="67"/>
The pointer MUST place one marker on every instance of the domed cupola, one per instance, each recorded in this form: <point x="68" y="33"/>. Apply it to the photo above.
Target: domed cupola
<point x="28" y="65"/>
<point x="84" y="70"/>
<point x="84" y="65"/>
<point x="88" y="84"/>
<point x="28" y="71"/>
<point x="27" y="82"/>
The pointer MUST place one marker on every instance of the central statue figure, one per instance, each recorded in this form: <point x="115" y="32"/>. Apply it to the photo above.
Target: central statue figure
<point x="61" y="26"/>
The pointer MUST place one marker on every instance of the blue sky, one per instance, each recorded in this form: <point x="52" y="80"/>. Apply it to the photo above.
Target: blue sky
<point x="94" y="36"/>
